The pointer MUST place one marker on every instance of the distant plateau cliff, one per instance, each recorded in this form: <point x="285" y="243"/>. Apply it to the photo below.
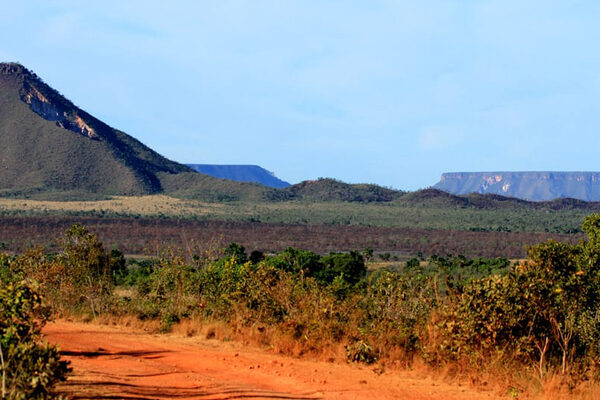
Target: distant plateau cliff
<point x="533" y="186"/>
<point x="241" y="173"/>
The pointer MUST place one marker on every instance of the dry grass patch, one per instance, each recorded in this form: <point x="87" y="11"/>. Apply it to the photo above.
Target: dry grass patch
<point x="143" y="205"/>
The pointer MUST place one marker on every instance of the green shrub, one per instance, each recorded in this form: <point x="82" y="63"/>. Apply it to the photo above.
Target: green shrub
<point x="30" y="368"/>
<point x="350" y="266"/>
<point x="544" y="313"/>
<point x="360" y="351"/>
<point x="396" y="310"/>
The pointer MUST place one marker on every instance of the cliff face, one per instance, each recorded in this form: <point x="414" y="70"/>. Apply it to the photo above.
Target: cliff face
<point x="534" y="186"/>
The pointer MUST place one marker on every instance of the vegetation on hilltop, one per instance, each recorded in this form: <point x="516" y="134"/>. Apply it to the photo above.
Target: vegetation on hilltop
<point x="326" y="190"/>
<point x="196" y="186"/>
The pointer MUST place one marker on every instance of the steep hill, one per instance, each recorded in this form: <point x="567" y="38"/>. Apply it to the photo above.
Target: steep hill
<point x="50" y="147"/>
<point x="534" y="186"/>
<point x="241" y="173"/>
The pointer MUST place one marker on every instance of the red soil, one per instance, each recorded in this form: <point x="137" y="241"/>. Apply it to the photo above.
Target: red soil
<point x="111" y="362"/>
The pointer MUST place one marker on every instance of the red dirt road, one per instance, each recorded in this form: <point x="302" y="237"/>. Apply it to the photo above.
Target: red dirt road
<point x="120" y="363"/>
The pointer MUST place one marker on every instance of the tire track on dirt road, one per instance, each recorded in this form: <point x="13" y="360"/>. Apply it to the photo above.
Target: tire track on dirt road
<point x="112" y="362"/>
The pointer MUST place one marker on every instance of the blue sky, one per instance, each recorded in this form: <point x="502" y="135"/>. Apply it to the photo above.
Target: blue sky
<point x="387" y="92"/>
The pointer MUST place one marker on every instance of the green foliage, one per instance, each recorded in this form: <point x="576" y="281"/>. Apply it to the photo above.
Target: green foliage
<point x="167" y="288"/>
<point x="544" y="312"/>
<point x="396" y="310"/>
<point x="297" y="261"/>
<point x="487" y="316"/>
<point x="29" y="367"/>
<point x="256" y="256"/>
<point x="238" y="252"/>
<point x="117" y="262"/>
<point x="80" y="278"/>
<point x="360" y="351"/>
<point x="89" y="270"/>
<point x="135" y="272"/>
<point x="349" y="266"/>
<point x="413" y="263"/>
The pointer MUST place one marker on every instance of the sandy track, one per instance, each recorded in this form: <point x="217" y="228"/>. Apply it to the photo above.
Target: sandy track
<point x="120" y="363"/>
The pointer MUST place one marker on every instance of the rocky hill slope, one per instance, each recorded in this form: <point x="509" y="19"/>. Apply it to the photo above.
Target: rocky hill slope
<point x="533" y="186"/>
<point x="50" y="147"/>
<point x="241" y="173"/>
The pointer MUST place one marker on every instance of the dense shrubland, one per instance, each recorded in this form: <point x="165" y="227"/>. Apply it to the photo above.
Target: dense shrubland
<point x="537" y="319"/>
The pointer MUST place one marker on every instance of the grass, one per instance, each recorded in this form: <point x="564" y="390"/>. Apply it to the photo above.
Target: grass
<point x="391" y="214"/>
<point x="152" y="205"/>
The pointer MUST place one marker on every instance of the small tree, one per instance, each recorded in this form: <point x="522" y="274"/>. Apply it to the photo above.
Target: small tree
<point x="88" y="268"/>
<point x="237" y="251"/>
<point x="29" y="368"/>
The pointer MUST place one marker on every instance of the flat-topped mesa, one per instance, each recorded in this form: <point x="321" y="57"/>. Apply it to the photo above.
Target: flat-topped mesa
<point x="45" y="101"/>
<point x="529" y="185"/>
<point x="241" y="173"/>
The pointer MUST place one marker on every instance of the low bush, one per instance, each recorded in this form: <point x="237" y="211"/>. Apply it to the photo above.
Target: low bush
<point x="29" y="368"/>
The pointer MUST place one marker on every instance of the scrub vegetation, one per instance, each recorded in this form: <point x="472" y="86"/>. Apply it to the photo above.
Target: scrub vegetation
<point x="528" y="323"/>
<point x="427" y="209"/>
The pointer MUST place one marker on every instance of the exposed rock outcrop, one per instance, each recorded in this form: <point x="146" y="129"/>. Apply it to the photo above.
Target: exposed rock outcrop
<point x="534" y="186"/>
<point x="65" y="119"/>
